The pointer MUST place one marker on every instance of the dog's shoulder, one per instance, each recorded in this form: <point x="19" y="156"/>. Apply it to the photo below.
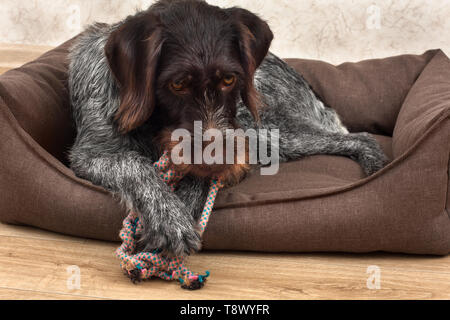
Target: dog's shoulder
<point x="90" y="80"/>
<point x="87" y="60"/>
<point x="275" y="67"/>
<point x="89" y="46"/>
<point x="275" y="77"/>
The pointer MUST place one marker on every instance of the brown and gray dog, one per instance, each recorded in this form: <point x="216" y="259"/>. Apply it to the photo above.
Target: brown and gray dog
<point x="181" y="61"/>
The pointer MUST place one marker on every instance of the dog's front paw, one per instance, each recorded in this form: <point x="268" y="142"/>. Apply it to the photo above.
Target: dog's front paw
<point x="371" y="157"/>
<point x="172" y="240"/>
<point x="186" y="241"/>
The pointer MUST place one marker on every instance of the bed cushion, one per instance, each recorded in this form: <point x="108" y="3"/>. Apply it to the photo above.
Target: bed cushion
<point x="320" y="203"/>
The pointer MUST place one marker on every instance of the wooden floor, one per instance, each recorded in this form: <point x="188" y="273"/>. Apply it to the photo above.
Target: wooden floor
<point x="34" y="264"/>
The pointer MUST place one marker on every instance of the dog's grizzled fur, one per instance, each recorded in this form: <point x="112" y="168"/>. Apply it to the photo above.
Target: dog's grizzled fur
<point x="133" y="82"/>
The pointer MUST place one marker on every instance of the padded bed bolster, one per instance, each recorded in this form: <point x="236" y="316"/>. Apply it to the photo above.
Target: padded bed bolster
<point x="427" y="103"/>
<point x="367" y="95"/>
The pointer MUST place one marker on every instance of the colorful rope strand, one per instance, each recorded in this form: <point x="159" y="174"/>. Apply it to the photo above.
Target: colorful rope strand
<point x="145" y="265"/>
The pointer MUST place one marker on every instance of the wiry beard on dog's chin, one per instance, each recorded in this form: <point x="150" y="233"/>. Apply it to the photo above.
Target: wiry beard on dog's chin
<point x="228" y="174"/>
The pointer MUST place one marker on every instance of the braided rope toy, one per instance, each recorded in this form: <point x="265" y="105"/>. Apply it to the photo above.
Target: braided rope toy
<point x="145" y="265"/>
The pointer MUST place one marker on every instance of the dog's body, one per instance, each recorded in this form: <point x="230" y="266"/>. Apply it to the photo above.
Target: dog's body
<point x="118" y="156"/>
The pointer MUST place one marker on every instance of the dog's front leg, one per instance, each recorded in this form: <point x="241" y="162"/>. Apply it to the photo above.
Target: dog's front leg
<point x="193" y="191"/>
<point x="168" y="224"/>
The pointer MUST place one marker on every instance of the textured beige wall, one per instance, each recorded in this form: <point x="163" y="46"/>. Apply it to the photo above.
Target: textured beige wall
<point x="336" y="31"/>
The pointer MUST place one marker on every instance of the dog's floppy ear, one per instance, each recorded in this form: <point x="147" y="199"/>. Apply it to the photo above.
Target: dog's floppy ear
<point x="255" y="37"/>
<point x="133" y="52"/>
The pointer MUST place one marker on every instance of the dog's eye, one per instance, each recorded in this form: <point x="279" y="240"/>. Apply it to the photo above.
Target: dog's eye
<point x="229" y="80"/>
<point x="178" y="85"/>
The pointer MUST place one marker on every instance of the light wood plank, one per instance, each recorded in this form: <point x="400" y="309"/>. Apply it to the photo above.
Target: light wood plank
<point x="40" y="265"/>
<point x="15" y="55"/>
<point x="34" y="233"/>
<point x="401" y="262"/>
<point x="3" y="70"/>
<point x="14" y="294"/>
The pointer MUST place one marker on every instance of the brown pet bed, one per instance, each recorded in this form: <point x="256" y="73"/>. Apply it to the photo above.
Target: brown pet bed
<point x="320" y="203"/>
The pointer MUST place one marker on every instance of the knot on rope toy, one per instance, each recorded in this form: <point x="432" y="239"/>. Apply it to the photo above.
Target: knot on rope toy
<point x="145" y="265"/>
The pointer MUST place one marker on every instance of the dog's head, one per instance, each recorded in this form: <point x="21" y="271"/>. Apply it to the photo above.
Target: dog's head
<point x="184" y="61"/>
